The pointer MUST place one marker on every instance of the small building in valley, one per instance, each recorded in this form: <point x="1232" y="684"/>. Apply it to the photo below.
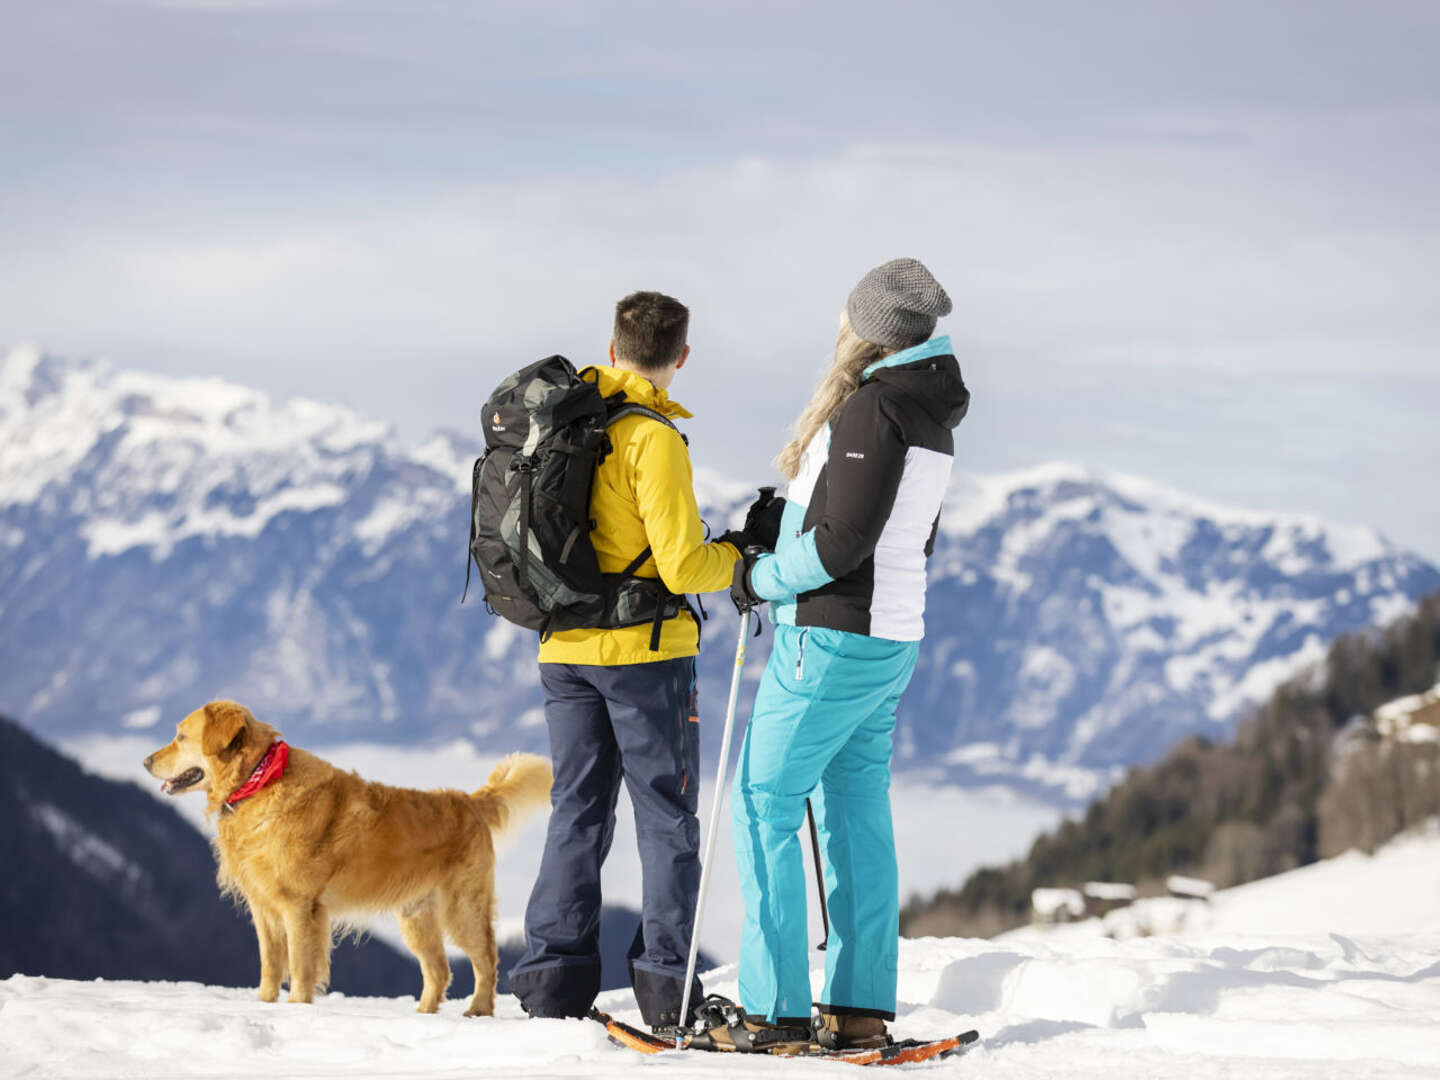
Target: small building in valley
<point x="1103" y="897"/>
<point x="1411" y="719"/>
<point x="1051" y="906"/>
<point x="1189" y="888"/>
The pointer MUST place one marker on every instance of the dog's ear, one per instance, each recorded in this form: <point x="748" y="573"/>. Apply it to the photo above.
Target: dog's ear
<point x="225" y="726"/>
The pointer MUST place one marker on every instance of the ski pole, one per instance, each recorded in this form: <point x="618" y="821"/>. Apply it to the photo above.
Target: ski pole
<point x="715" y="808"/>
<point x="819" y="874"/>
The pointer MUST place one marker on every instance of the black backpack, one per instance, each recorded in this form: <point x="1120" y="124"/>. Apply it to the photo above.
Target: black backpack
<point x="545" y="434"/>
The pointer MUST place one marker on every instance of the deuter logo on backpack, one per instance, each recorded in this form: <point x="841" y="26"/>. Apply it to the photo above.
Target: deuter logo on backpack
<point x="530" y="508"/>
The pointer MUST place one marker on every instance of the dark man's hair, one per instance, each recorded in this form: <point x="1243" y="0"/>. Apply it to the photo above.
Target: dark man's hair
<point x="650" y="330"/>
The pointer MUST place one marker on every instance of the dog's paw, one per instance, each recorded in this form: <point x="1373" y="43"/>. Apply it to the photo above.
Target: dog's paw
<point x="268" y="994"/>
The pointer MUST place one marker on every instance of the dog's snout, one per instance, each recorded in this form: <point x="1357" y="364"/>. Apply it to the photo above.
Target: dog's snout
<point x="149" y="761"/>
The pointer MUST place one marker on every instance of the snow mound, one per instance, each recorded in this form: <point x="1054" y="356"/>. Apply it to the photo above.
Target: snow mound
<point x="1320" y="1000"/>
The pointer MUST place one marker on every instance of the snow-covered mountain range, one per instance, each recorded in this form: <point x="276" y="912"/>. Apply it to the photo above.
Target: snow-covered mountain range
<point x="165" y="541"/>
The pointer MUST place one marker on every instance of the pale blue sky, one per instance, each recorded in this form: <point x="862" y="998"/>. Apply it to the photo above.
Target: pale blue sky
<point x="1194" y="241"/>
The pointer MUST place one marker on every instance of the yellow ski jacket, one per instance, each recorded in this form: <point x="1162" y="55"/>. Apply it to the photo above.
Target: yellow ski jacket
<point x="644" y="494"/>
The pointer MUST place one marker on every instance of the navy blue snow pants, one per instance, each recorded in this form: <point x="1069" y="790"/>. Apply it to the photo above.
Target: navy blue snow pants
<point x="633" y="723"/>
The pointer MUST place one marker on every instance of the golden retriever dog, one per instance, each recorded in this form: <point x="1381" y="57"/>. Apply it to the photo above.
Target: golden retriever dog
<point x="312" y="843"/>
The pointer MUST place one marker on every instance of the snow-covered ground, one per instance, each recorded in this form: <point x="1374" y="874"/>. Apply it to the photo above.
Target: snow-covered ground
<point x="942" y="832"/>
<point x="1329" y="971"/>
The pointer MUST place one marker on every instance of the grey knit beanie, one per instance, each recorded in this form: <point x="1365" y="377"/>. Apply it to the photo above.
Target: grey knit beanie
<point x="896" y="304"/>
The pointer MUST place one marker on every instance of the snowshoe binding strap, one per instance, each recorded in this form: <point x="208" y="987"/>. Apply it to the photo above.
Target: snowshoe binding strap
<point x="722" y="1025"/>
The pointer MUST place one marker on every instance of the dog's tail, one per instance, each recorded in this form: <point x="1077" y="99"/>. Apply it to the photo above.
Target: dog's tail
<point x="519" y="785"/>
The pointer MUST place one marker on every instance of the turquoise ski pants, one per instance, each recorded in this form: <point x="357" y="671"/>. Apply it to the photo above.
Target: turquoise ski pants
<point x="821" y="729"/>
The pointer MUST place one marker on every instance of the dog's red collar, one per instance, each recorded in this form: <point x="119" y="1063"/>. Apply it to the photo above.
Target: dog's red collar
<point x="270" y="769"/>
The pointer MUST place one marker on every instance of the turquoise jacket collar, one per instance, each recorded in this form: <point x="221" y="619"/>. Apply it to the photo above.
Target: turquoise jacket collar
<point x="936" y="346"/>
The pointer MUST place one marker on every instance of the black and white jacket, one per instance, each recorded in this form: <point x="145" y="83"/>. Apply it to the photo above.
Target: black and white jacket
<point x="862" y="512"/>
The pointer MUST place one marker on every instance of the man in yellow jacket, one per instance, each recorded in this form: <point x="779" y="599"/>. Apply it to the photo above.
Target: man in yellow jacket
<point x="618" y="708"/>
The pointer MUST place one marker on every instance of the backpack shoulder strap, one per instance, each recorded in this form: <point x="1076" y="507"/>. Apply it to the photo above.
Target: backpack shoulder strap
<point x="629" y="408"/>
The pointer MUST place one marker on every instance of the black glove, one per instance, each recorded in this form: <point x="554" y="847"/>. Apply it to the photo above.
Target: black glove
<point x="762" y="520"/>
<point x="739" y="537"/>
<point x="762" y="523"/>
<point x="740" y="591"/>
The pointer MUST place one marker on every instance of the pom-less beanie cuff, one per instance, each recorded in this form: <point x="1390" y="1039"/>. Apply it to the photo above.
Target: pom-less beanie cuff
<point x="897" y="304"/>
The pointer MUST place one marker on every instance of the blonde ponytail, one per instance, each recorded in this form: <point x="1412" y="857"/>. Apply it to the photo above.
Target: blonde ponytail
<point x="853" y="355"/>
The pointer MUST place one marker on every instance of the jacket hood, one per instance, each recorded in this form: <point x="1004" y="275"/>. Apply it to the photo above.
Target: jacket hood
<point x="930" y="374"/>
<point x="638" y="389"/>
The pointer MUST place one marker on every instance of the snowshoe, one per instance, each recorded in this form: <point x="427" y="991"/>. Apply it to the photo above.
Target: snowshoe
<point x="905" y="1052"/>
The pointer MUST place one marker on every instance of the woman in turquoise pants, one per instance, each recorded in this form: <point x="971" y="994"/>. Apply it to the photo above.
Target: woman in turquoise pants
<point x="868" y="469"/>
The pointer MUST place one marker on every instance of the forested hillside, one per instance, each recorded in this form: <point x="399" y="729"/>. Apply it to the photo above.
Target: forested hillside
<point x="1302" y="780"/>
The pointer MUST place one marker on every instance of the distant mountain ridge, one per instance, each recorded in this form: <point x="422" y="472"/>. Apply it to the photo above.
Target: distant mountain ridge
<point x="166" y="541"/>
